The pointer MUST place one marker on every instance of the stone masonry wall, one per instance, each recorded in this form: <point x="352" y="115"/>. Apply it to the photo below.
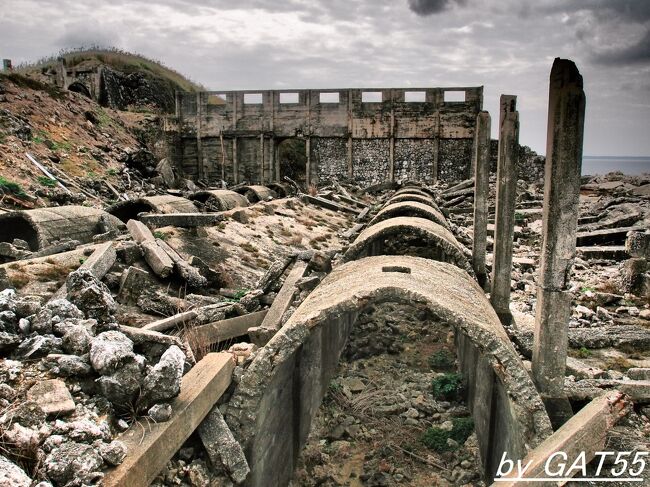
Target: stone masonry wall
<point x="455" y="159"/>
<point x="414" y="160"/>
<point x="329" y="158"/>
<point x="370" y="160"/>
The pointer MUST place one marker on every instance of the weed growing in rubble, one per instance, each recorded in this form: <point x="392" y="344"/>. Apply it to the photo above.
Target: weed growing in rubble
<point x="437" y="438"/>
<point x="160" y="235"/>
<point x="441" y="360"/>
<point x="248" y="247"/>
<point x="7" y="186"/>
<point x="584" y="352"/>
<point x="447" y="387"/>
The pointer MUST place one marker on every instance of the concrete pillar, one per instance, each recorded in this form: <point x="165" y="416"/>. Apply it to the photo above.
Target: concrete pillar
<point x="391" y="162"/>
<point x="235" y="161"/>
<point x="261" y="158"/>
<point x="504" y="224"/>
<point x="308" y="167"/>
<point x="199" y="137"/>
<point x="481" y="164"/>
<point x="350" y="162"/>
<point x="566" y="112"/>
<point x="272" y="170"/>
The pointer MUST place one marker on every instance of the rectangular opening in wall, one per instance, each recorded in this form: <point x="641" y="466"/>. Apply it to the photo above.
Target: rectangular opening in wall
<point x="454" y="96"/>
<point x="252" y="98"/>
<point x="371" y="97"/>
<point x="289" y="98"/>
<point x="328" y="97"/>
<point x="217" y="99"/>
<point x="415" y="96"/>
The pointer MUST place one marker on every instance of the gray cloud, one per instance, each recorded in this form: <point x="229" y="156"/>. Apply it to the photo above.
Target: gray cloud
<point x="429" y="7"/>
<point x="638" y="53"/>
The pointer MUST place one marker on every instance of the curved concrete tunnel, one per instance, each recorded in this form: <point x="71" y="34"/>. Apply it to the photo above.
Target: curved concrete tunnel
<point x="426" y="200"/>
<point x="129" y="210"/>
<point x="255" y="193"/>
<point x="409" y="208"/>
<point x="43" y="226"/>
<point x="407" y="234"/>
<point x="220" y="199"/>
<point x="271" y="410"/>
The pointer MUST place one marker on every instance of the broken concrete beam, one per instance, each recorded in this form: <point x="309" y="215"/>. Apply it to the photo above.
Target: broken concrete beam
<point x="330" y="205"/>
<point x="639" y="373"/>
<point x="363" y="214"/>
<point x="455" y="194"/>
<point x="611" y="252"/>
<point x="226" y="329"/>
<point x="151" y="447"/>
<point x="52" y="396"/>
<point x="585" y="433"/>
<point x="139" y="231"/>
<point x="57" y="248"/>
<point x="183" y="220"/>
<point x="456" y="201"/>
<point x="350" y="233"/>
<point x="273" y="319"/>
<point x="468" y="183"/>
<point x="160" y="263"/>
<point x="273" y="273"/>
<point x="99" y="263"/>
<point x="608" y="236"/>
<point x="185" y="271"/>
<point x="171" y="321"/>
<point x="221" y="446"/>
<point x="637" y="244"/>
<point x="637" y="390"/>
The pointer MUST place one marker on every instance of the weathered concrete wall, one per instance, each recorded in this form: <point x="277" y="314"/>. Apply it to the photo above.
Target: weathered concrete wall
<point x="44" y="226"/>
<point x="128" y="210"/>
<point x="371" y="141"/>
<point x="271" y="409"/>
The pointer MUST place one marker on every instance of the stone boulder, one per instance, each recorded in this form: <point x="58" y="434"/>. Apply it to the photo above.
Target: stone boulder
<point x="109" y="351"/>
<point x="163" y="382"/>
<point x="91" y="296"/>
<point x="73" y="461"/>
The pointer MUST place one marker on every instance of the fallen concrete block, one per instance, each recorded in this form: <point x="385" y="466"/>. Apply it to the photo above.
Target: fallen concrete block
<point x="611" y="252"/>
<point x="639" y="373"/>
<point x="184" y="270"/>
<point x="586" y="432"/>
<point x="611" y="236"/>
<point x="171" y="321"/>
<point x="139" y="231"/>
<point x="221" y="446"/>
<point x="462" y="185"/>
<point x="52" y="396"/>
<point x="330" y="205"/>
<point x="132" y="283"/>
<point x="140" y="335"/>
<point x="157" y="259"/>
<point x="226" y="329"/>
<point x="99" y="263"/>
<point x="183" y="220"/>
<point x="151" y="447"/>
<point x="581" y="370"/>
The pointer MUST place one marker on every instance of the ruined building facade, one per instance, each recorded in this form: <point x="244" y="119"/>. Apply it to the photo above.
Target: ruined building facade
<point x="369" y="135"/>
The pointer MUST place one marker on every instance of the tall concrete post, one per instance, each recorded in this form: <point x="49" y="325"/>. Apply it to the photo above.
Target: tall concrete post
<point x="566" y="116"/>
<point x="504" y="224"/>
<point x="481" y="163"/>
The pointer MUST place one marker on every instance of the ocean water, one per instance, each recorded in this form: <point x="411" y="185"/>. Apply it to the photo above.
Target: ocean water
<point x="593" y="165"/>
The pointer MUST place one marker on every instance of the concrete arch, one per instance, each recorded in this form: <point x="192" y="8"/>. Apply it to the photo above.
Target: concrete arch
<point x="79" y="87"/>
<point x="439" y="242"/>
<point x="282" y="190"/>
<point x="398" y="198"/>
<point x="167" y="203"/>
<point x="43" y="226"/>
<point x="271" y="409"/>
<point x="415" y="191"/>
<point x="411" y="185"/>
<point x="256" y="193"/>
<point x="409" y="208"/>
<point x="220" y="199"/>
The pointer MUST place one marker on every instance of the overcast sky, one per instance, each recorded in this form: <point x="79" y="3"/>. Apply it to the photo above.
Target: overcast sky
<point x="506" y="45"/>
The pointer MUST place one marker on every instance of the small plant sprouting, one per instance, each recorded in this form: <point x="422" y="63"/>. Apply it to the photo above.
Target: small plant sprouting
<point x="160" y="235"/>
<point x="436" y="438"/>
<point x="583" y="352"/>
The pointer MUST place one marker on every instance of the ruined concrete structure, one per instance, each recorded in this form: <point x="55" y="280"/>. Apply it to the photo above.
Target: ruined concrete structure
<point x="370" y="135"/>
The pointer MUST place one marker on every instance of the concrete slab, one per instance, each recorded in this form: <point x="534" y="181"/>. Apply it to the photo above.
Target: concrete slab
<point x="229" y="328"/>
<point x="157" y="259"/>
<point x="139" y="231"/>
<point x="152" y="446"/>
<point x="183" y="220"/>
<point x="171" y="321"/>
<point x="52" y="396"/>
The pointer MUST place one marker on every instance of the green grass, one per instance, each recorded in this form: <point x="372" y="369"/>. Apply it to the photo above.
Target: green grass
<point x="23" y="81"/>
<point x="112" y="172"/>
<point x="7" y="186"/>
<point x="45" y="181"/>
<point x="583" y="352"/>
<point x="436" y="438"/>
<point x="160" y="235"/>
<point x="442" y="359"/>
<point x="116" y="58"/>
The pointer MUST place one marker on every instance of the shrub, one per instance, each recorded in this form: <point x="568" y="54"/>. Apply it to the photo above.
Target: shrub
<point x="7" y="186"/>
<point x="583" y="352"/>
<point x="447" y="387"/>
<point x="442" y="359"/>
<point x="436" y="438"/>
<point x="160" y="235"/>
